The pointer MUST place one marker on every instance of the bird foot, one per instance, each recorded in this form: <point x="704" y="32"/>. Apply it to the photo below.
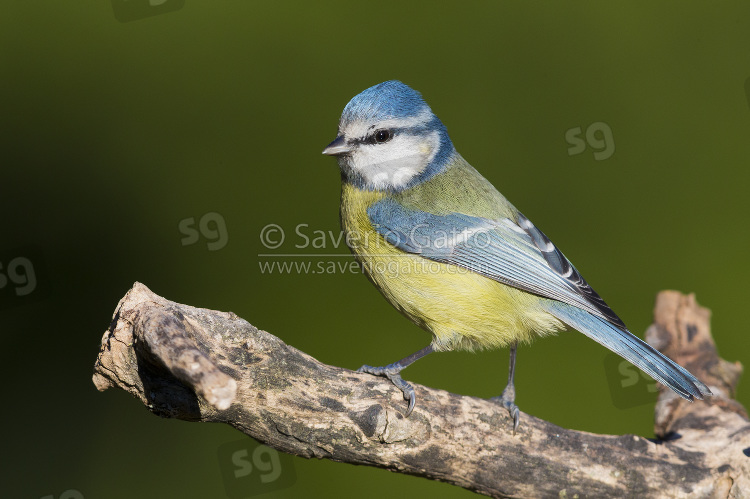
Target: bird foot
<point x="391" y="372"/>
<point x="507" y="400"/>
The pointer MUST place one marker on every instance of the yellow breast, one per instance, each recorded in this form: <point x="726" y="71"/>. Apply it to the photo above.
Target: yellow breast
<point x="462" y="309"/>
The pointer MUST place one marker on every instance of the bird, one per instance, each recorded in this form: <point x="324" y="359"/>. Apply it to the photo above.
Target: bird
<point x="453" y="255"/>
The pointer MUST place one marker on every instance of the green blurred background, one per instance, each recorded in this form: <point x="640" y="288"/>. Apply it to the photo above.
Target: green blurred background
<point x="120" y="122"/>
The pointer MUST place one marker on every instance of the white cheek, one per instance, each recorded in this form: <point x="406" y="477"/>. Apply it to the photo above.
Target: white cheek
<point x="395" y="163"/>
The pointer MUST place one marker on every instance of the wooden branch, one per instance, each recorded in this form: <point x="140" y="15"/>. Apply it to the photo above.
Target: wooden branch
<point x="202" y="365"/>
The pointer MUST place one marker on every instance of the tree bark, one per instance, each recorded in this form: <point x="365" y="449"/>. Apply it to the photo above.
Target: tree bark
<point x="203" y="365"/>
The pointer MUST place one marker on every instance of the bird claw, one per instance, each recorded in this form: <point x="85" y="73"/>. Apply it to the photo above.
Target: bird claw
<point x="392" y="373"/>
<point x="514" y="413"/>
<point x="507" y="400"/>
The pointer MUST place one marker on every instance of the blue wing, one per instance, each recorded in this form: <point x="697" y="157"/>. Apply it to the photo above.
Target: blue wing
<point x="513" y="252"/>
<point x="518" y="254"/>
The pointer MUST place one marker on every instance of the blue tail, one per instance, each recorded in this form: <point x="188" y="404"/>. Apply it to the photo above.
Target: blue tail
<point x="631" y="348"/>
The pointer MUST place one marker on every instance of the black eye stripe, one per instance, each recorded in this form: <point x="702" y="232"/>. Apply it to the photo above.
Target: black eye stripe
<point x="370" y="138"/>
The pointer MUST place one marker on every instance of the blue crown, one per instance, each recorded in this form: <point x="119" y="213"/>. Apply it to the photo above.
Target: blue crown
<point x="387" y="100"/>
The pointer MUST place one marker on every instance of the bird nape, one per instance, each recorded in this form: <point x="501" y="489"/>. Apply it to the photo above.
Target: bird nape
<point x="448" y="251"/>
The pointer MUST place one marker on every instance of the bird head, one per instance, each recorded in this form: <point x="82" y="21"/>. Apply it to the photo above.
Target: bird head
<point x="389" y="139"/>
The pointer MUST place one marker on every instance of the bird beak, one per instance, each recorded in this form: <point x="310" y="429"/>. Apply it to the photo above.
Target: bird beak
<point x="337" y="147"/>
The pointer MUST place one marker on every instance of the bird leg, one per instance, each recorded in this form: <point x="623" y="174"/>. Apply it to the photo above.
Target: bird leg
<point x="507" y="399"/>
<point x="391" y="371"/>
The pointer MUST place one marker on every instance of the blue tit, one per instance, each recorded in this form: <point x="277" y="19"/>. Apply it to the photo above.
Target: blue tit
<point x="447" y="250"/>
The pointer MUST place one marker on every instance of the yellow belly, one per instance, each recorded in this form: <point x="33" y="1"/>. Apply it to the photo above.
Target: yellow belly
<point x="462" y="309"/>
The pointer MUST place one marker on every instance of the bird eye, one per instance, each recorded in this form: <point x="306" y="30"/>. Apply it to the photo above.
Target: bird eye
<point x="383" y="136"/>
